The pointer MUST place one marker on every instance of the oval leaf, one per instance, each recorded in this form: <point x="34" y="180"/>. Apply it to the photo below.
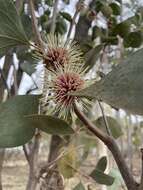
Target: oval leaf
<point x="122" y="87"/>
<point x="28" y="68"/>
<point x="102" y="178"/>
<point x="79" y="187"/>
<point x="50" y="125"/>
<point x="102" y="164"/>
<point x="15" y="130"/>
<point x="68" y="162"/>
<point x="92" y="56"/>
<point x="114" y="126"/>
<point x="67" y="16"/>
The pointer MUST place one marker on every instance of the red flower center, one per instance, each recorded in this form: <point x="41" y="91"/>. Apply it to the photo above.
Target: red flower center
<point x="56" y="57"/>
<point x="66" y="83"/>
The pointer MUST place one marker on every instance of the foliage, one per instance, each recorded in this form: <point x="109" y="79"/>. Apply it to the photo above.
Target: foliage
<point x="121" y="88"/>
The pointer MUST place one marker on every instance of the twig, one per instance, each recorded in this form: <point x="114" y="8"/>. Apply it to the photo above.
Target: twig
<point x="26" y="154"/>
<point x="5" y="82"/>
<point x="54" y="16"/>
<point x="38" y="38"/>
<point x="105" y="120"/>
<point x="113" y="147"/>
<point x="141" y="183"/>
<point x="73" y="20"/>
<point x="15" y="79"/>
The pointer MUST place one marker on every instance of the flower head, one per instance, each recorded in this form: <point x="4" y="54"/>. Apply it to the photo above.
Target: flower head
<point x="63" y="75"/>
<point x="60" y="53"/>
<point x="59" y="86"/>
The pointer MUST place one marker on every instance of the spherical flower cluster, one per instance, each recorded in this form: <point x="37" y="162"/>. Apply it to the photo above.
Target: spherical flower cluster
<point x="63" y="75"/>
<point x="60" y="53"/>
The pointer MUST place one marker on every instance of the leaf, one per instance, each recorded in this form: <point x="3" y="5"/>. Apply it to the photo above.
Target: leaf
<point x="92" y="56"/>
<point x="114" y="126"/>
<point x="102" y="178"/>
<point x="79" y="187"/>
<point x="106" y="10"/>
<point x="122" y="87"/>
<point x="115" y="8"/>
<point x="102" y="164"/>
<point x="96" y="32"/>
<point x="49" y="2"/>
<point x="112" y="40"/>
<point x="118" y="182"/>
<point x="134" y="39"/>
<point x="28" y="68"/>
<point x="11" y="29"/>
<point x="98" y="173"/>
<point x="26" y="22"/>
<point x="67" y="16"/>
<point x="61" y="26"/>
<point x="50" y="125"/>
<point x="122" y="28"/>
<point x="68" y="163"/>
<point x="15" y="130"/>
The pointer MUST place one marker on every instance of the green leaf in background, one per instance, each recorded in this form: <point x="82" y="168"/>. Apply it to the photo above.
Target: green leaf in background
<point x="111" y="40"/>
<point x="92" y="56"/>
<point x="66" y="1"/>
<point x="11" y="29"/>
<point x="134" y="39"/>
<point x="122" y="28"/>
<point x="67" y="16"/>
<point x="61" y="26"/>
<point x="98" y="173"/>
<point x="50" y="125"/>
<point x="28" y="68"/>
<point x="122" y="87"/>
<point x="68" y="163"/>
<point x="96" y="32"/>
<point x="118" y="182"/>
<point x="49" y="2"/>
<point x="106" y="10"/>
<point x="79" y="186"/>
<point x="115" y="8"/>
<point x="102" y="164"/>
<point x="102" y="178"/>
<point x="26" y="22"/>
<point x="113" y="124"/>
<point x="15" y="130"/>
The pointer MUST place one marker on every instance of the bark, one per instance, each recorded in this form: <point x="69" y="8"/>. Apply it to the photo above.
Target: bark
<point x="52" y="178"/>
<point x="2" y="153"/>
<point x="32" y="158"/>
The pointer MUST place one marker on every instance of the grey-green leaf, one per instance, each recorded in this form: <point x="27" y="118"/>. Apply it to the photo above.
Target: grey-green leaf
<point x="122" y="87"/>
<point x="102" y="164"/>
<point x="50" y="125"/>
<point x="28" y="68"/>
<point x="11" y="29"/>
<point x="15" y="130"/>
<point x="92" y="56"/>
<point x="102" y="178"/>
<point x="67" y="16"/>
<point x="113" y="124"/>
<point x="79" y="187"/>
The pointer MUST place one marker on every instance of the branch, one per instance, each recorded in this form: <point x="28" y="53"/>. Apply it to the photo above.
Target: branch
<point x="25" y="150"/>
<point x="54" y="16"/>
<point x="5" y="82"/>
<point x="78" y="7"/>
<point x="38" y="38"/>
<point x="105" y="120"/>
<point x="141" y="183"/>
<point x="113" y="147"/>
